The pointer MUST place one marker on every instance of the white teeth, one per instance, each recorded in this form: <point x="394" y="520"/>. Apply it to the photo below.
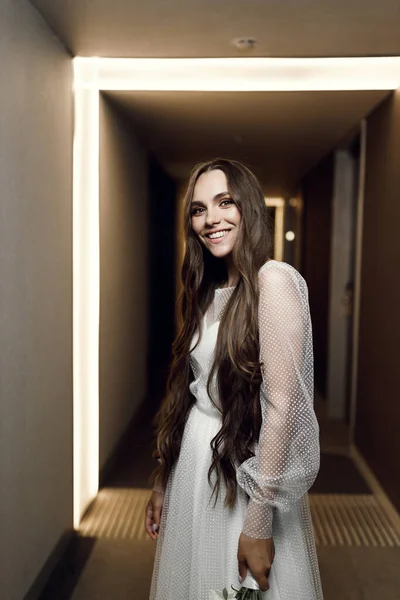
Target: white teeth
<point x="218" y="234"/>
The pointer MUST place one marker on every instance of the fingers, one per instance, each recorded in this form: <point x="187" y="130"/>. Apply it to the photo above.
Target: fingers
<point x="242" y="569"/>
<point x="259" y="575"/>
<point x="157" y="516"/>
<point x="152" y="523"/>
<point x="262" y="580"/>
<point x="153" y="514"/>
<point x="149" y="520"/>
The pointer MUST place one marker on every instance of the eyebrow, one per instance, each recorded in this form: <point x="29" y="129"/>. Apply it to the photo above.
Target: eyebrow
<point x="217" y="197"/>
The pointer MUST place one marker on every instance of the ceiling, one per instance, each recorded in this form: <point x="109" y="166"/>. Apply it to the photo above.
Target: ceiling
<point x="205" y="28"/>
<point x="280" y="135"/>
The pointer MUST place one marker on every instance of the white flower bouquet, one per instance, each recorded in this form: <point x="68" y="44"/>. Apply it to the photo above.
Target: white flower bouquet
<point x="248" y="591"/>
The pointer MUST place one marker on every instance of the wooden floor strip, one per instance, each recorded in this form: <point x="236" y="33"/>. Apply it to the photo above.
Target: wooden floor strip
<point x="352" y="520"/>
<point x="339" y="519"/>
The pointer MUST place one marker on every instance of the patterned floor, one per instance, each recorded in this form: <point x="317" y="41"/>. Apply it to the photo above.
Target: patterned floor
<point x="357" y="532"/>
<point x="339" y="519"/>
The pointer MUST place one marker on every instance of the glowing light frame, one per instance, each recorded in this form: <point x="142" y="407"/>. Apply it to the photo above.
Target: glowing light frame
<point x="93" y="75"/>
<point x="279" y="205"/>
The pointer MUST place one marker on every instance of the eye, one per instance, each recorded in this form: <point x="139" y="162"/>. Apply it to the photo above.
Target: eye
<point x="195" y="211"/>
<point x="228" y="200"/>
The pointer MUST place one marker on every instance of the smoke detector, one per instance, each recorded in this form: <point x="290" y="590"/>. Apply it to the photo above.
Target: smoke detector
<point x="244" y="44"/>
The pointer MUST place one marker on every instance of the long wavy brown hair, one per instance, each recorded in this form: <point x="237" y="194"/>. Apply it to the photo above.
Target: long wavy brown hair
<point x="236" y="359"/>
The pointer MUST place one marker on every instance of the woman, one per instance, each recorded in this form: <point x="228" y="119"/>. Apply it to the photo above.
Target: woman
<point x="237" y="439"/>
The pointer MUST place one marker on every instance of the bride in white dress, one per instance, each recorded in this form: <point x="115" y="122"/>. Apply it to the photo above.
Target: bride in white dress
<point x="237" y="457"/>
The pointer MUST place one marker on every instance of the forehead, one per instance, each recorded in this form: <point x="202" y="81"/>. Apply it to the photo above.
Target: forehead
<point x="210" y="184"/>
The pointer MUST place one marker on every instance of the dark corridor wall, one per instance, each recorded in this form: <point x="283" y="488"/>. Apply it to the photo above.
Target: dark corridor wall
<point x="162" y="244"/>
<point x="378" y="398"/>
<point x="317" y="189"/>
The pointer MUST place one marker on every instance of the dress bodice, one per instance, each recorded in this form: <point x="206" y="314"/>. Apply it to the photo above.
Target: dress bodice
<point x="201" y="357"/>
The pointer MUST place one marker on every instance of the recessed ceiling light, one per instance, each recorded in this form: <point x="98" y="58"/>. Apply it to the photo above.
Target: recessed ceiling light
<point x="244" y="43"/>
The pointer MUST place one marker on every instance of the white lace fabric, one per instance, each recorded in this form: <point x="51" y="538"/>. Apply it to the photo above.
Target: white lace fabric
<point x="197" y="544"/>
<point x="287" y="457"/>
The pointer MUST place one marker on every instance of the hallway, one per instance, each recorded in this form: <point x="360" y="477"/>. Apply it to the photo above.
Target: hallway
<point x="105" y="109"/>
<point x="357" y="533"/>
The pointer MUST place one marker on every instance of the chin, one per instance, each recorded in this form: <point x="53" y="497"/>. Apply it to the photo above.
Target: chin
<point x="220" y="253"/>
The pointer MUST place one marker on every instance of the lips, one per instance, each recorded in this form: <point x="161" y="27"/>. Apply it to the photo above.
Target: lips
<point x="219" y="238"/>
<point x="218" y="231"/>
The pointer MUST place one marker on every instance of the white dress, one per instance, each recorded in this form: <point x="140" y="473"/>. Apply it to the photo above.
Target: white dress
<point x="197" y="544"/>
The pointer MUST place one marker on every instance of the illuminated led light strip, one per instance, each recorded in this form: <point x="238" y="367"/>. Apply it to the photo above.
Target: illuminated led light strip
<point x="241" y="74"/>
<point x="279" y="205"/>
<point x="86" y="298"/>
<point x="91" y="75"/>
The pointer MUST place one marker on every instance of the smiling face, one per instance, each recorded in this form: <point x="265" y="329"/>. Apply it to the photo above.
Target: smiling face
<point x="214" y="215"/>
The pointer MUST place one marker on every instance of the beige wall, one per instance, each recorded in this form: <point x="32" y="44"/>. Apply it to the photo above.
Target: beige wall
<point x="35" y="296"/>
<point x="123" y="276"/>
<point x="378" y="406"/>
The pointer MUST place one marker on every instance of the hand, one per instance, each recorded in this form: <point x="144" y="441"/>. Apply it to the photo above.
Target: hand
<point x="153" y="513"/>
<point x="256" y="555"/>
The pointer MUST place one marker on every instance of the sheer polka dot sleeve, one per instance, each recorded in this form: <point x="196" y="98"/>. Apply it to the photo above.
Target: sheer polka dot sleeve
<point x="286" y="459"/>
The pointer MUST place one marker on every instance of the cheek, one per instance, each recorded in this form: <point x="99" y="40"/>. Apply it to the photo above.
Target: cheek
<point x="234" y="215"/>
<point x="196" y="226"/>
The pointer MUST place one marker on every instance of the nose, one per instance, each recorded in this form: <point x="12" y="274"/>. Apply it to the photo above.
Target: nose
<point x="213" y="216"/>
